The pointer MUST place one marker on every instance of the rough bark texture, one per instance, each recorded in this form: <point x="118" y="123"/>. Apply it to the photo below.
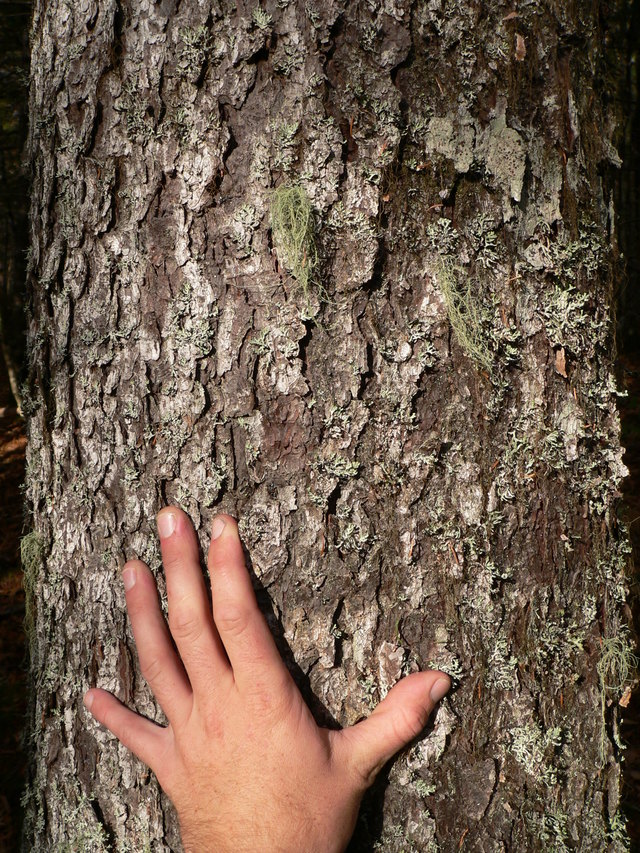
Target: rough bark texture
<point x="421" y="441"/>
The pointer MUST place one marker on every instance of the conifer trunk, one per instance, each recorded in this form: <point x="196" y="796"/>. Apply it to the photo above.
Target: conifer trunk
<point x="343" y="270"/>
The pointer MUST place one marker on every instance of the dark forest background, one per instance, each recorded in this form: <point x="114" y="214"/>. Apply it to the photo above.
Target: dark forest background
<point x="621" y="26"/>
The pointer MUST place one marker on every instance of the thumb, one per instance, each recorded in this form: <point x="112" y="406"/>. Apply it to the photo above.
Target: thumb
<point x="398" y="719"/>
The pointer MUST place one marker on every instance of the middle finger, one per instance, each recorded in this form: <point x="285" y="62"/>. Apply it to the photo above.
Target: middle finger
<point x="190" y="618"/>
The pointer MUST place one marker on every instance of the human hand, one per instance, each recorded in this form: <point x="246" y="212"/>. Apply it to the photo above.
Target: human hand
<point x="242" y="758"/>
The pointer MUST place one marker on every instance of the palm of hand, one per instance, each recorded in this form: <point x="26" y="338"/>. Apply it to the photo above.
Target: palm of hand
<point x="242" y="758"/>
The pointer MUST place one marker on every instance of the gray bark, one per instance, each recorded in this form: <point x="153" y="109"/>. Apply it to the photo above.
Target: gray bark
<point x="421" y="441"/>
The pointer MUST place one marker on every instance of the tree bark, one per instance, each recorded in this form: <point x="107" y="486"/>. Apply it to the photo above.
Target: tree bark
<point x="407" y="401"/>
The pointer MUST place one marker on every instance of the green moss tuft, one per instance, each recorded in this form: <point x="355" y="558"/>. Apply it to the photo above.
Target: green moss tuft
<point x="293" y="233"/>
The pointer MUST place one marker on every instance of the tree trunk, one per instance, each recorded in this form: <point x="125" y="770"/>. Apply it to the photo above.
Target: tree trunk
<point x="342" y="270"/>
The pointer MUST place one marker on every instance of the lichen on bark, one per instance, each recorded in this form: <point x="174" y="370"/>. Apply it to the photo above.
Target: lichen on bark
<point x="403" y="503"/>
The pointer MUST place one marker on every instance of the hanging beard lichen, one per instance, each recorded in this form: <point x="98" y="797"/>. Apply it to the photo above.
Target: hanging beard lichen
<point x="293" y="233"/>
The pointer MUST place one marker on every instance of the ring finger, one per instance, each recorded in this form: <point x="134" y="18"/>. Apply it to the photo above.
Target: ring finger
<point x="160" y="665"/>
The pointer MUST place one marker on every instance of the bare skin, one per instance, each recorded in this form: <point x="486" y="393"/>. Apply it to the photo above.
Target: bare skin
<point x="242" y="758"/>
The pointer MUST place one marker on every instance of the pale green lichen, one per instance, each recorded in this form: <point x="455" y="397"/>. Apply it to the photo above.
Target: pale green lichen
<point x="292" y="226"/>
<point x="174" y="429"/>
<point x="194" y="47"/>
<point x="339" y="466"/>
<point x="424" y="788"/>
<point x="261" y="19"/>
<point x="501" y="672"/>
<point x="192" y="335"/>
<point x="467" y="314"/>
<point x="355" y="221"/>
<point x="262" y="344"/>
<point x="484" y="241"/>
<point x="181" y="124"/>
<point x="464" y="270"/>
<point x="140" y="126"/>
<point x="353" y="534"/>
<point x="284" y="135"/>
<point x="32" y="557"/>
<point x="336" y="421"/>
<point x="617" y="834"/>
<point x="534" y="748"/>
<point x="617" y="670"/>
<point x="245" y="221"/>
<point x="446" y="137"/>
<point x="287" y="58"/>
<point x="611" y="566"/>
<point x="80" y="822"/>
<point x="33" y="809"/>
<point x="566" y="322"/>
<point x="450" y="664"/>
<point x="467" y="305"/>
<point x="550" y="829"/>
<point x="506" y="159"/>
<point x="370" y="689"/>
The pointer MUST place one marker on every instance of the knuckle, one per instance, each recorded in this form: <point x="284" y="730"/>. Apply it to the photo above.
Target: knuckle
<point x="185" y="624"/>
<point x="231" y="619"/>
<point x="152" y="669"/>
<point x="172" y="560"/>
<point x="219" y="558"/>
<point x="273" y="702"/>
<point x="266" y="701"/>
<point x="409" y="722"/>
<point x="214" y="727"/>
<point x="125" y="735"/>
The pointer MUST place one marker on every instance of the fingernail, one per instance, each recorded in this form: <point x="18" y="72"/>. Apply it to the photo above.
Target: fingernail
<point x="217" y="527"/>
<point x="88" y="700"/>
<point x="440" y="689"/>
<point x="129" y="577"/>
<point x="166" y="524"/>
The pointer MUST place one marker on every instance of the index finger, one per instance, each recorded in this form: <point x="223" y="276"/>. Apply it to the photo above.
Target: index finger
<point x="242" y="628"/>
<point x="190" y="619"/>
